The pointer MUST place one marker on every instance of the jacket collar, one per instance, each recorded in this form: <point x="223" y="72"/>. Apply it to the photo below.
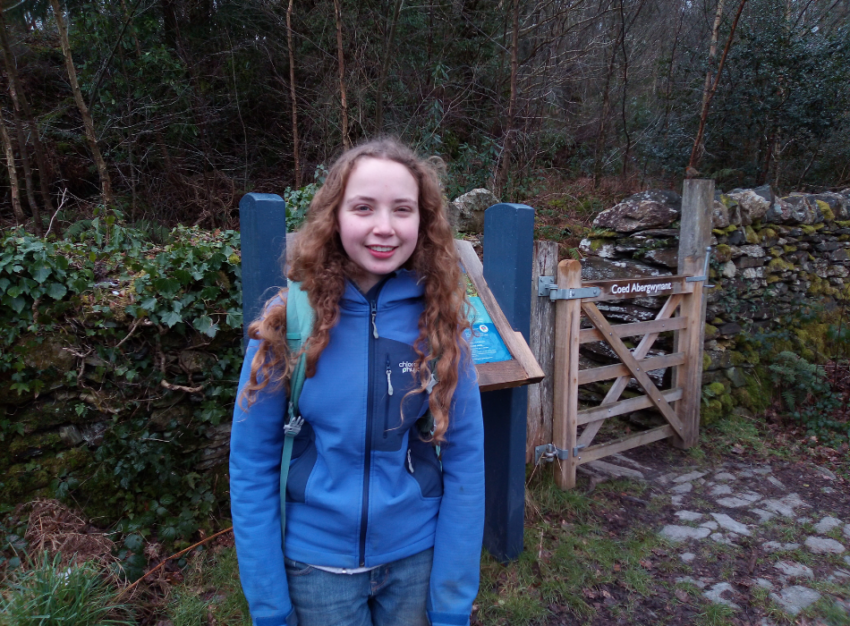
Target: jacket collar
<point x="402" y="285"/>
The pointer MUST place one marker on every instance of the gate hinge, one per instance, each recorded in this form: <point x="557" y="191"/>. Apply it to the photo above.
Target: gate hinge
<point x="546" y="286"/>
<point x="548" y="452"/>
<point x="704" y="277"/>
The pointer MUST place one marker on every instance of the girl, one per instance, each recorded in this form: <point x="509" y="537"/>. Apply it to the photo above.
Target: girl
<point x="379" y="530"/>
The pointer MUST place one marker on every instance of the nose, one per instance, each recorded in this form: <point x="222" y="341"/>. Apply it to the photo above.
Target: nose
<point x="383" y="224"/>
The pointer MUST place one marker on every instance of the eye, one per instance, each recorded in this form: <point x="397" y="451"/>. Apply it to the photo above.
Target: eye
<point x="404" y="209"/>
<point x="361" y="208"/>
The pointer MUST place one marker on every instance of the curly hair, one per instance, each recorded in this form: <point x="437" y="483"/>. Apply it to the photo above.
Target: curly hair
<point x="320" y="263"/>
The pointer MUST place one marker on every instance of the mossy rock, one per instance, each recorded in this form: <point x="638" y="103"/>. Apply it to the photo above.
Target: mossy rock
<point x="828" y="215"/>
<point x="773" y="278"/>
<point x="711" y="412"/>
<point x="752" y="236"/>
<point x="780" y="265"/>
<point x="768" y="233"/>
<point x="843" y="223"/>
<point x="811" y="229"/>
<point x="789" y="249"/>
<point x="722" y="253"/>
<point x="25" y="481"/>
<point x="710" y="332"/>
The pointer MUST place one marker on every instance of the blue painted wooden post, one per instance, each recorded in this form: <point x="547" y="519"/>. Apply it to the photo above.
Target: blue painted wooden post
<point x="262" y="223"/>
<point x="508" y="255"/>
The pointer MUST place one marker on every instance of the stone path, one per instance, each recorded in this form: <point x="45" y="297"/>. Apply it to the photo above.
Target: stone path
<point x="743" y="508"/>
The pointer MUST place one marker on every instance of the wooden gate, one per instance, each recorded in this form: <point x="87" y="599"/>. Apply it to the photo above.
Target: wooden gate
<point x="574" y="430"/>
<point x="679" y="405"/>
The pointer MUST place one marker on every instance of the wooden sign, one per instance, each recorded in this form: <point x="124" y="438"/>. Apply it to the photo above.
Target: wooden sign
<point x="623" y="288"/>
<point x="522" y="368"/>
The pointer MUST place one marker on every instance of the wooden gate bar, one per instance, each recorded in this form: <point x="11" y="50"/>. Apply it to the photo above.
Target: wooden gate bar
<point x="568" y="323"/>
<point x="596" y="414"/>
<point x="637" y="328"/>
<point x="640" y="439"/>
<point x="607" y="372"/>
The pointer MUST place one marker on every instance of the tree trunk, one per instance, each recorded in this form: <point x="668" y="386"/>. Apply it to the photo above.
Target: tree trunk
<point x="696" y="151"/>
<point x="507" y="148"/>
<point x="601" y="134"/>
<point x="292" y="93"/>
<point x="22" y="106"/>
<point x="385" y="66"/>
<point x="25" y="162"/>
<point x="13" y="174"/>
<point x="343" y="99"/>
<point x="88" y="124"/>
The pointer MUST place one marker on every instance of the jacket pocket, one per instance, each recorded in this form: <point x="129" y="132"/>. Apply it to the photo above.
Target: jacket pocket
<point x="422" y="463"/>
<point x="299" y="473"/>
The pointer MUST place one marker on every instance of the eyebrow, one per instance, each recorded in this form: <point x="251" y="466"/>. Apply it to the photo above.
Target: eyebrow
<point x="370" y="199"/>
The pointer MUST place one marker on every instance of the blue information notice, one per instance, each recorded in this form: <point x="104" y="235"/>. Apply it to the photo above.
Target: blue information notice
<point x="486" y="343"/>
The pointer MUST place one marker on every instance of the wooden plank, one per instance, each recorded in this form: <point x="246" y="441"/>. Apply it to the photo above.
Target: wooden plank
<point x="501" y="375"/>
<point x="638" y="287"/>
<point x="626" y="443"/>
<point x="513" y="341"/>
<point x="640" y="352"/>
<point x="607" y="372"/>
<point x="567" y="324"/>
<point x="604" y="411"/>
<point x="598" y="320"/>
<point x="695" y="236"/>
<point x="541" y="340"/>
<point x="637" y="328"/>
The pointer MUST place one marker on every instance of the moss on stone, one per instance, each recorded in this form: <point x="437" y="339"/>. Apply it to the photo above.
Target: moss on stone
<point x="711" y="412"/>
<point x="843" y="223"/>
<point x="717" y="389"/>
<point x="776" y="252"/>
<point x="768" y="233"/>
<point x="710" y="332"/>
<point x="718" y="232"/>
<point x="706" y="361"/>
<point x="773" y="278"/>
<point x="723" y="253"/>
<point x="752" y="237"/>
<point x="595" y="244"/>
<point x="811" y="229"/>
<point x="789" y="249"/>
<point x="730" y="229"/>
<point x="780" y="265"/>
<point x="825" y="210"/>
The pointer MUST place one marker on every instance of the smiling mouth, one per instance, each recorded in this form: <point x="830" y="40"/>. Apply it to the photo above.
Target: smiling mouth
<point x="382" y="248"/>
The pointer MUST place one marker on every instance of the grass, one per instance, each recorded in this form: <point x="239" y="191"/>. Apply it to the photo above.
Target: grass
<point x="211" y="590"/>
<point x="49" y="593"/>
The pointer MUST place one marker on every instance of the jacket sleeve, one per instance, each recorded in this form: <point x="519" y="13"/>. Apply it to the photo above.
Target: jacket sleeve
<point x="460" y="526"/>
<point x="256" y="444"/>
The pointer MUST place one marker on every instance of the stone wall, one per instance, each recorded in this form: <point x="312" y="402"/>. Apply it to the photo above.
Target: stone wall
<point x="770" y="255"/>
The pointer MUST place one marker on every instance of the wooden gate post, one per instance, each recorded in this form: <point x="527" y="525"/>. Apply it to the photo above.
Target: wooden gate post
<point x="262" y="226"/>
<point x="694" y="238"/>
<point x="567" y="326"/>
<point x="508" y="240"/>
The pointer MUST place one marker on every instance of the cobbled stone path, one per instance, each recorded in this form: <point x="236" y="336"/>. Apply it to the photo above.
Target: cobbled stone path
<point x="742" y="504"/>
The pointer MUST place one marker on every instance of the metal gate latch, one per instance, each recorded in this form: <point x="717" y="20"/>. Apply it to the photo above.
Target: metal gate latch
<point x="549" y="452"/>
<point x="546" y="286"/>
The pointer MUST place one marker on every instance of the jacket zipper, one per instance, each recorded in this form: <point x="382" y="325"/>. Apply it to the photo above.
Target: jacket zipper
<point x="389" y="372"/>
<point x="364" y="514"/>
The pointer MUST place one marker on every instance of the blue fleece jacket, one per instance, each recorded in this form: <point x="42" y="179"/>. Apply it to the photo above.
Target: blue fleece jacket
<point x="363" y="488"/>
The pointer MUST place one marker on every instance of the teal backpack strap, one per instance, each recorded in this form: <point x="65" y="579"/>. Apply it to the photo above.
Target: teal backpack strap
<point x="299" y="325"/>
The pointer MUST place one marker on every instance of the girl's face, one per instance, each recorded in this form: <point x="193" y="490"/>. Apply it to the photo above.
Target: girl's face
<point x="378" y="218"/>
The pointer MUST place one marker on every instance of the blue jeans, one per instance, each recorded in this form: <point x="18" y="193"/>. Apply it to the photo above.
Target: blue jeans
<point x="390" y="595"/>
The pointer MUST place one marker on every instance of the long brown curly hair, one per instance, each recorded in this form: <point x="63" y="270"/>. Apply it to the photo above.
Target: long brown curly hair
<point x="320" y="263"/>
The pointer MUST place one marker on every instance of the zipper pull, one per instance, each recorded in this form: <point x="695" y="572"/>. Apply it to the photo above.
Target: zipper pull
<point x="374" y="308"/>
<point x="389" y="377"/>
<point x="409" y="461"/>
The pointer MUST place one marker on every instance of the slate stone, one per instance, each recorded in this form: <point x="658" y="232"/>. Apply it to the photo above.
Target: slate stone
<point x="667" y="257"/>
<point x="795" y="599"/>
<point x="688" y="516"/>
<point x="639" y="212"/>
<point x="687" y="557"/>
<point x="682" y="488"/>
<point x="724" y="476"/>
<point x="735" y="376"/>
<point x="689" y="477"/>
<point x="777" y="546"/>
<point x="684" y="533"/>
<point x="794" y="570"/>
<point x="823" y="545"/>
<point x="727" y="523"/>
<point x="737" y="238"/>
<point x="715" y="594"/>
<point x="466" y="213"/>
<point x="827" y="524"/>
<point x="593" y="268"/>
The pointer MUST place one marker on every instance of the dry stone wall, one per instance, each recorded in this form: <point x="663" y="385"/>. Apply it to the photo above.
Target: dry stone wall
<point x="770" y="255"/>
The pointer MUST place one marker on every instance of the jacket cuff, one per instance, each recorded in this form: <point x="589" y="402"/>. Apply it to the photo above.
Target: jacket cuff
<point x="278" y="620"/>
<point x="448" y="619"/>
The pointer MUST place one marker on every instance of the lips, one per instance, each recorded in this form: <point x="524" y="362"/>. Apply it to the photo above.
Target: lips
<point x="381" y="252"/>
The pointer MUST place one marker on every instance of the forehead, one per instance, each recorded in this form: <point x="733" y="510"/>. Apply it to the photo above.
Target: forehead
<point x="372" y="176"/>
